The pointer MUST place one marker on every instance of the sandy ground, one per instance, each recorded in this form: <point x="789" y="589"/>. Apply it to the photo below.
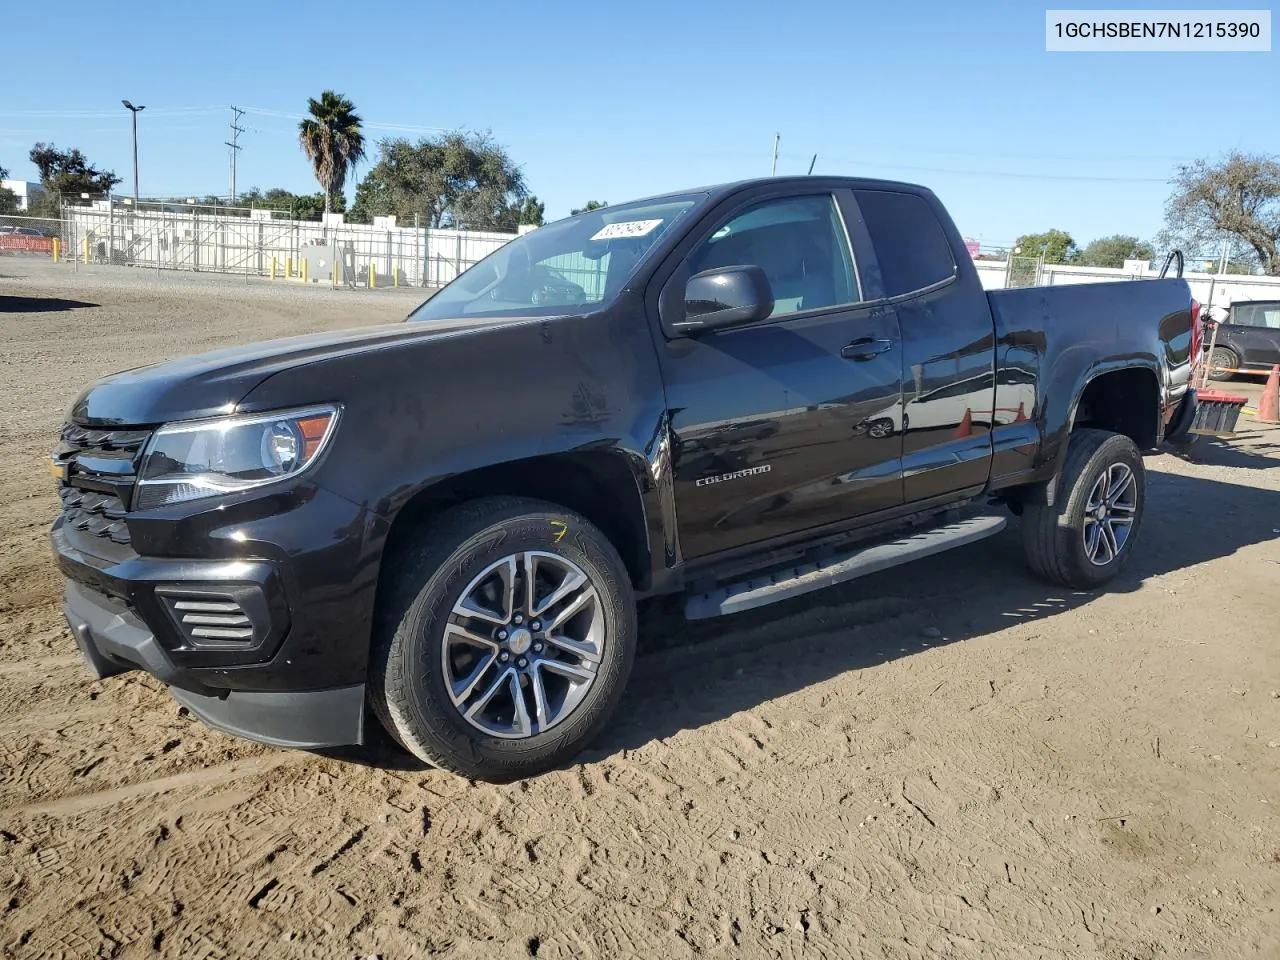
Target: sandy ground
<point x="952" y="760"/>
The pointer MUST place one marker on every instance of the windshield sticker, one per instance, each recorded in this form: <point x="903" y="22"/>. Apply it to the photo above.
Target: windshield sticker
<point x="626" y="228"/>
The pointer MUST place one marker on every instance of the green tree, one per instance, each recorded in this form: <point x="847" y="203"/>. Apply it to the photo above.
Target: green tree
<point x="1113" y="251"/>
<point x="458" y="180"/>
<point x="8" y="199"/>
<point x="69" y="172"/>
<point x="532" y="212"/>
<point x="308" y="206"/>
<point x="591" y="205"/>
<point x="373" y="198"/>
<point x="333" y="141"/>
<point x="1235" y="198"/>
<point x="1056" y="246"/>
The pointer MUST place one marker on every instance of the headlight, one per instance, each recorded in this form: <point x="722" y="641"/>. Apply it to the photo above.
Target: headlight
<point x="205" y="458"/>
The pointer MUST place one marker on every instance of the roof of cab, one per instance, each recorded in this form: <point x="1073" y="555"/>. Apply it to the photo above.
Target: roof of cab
<point x="720" y="190"/>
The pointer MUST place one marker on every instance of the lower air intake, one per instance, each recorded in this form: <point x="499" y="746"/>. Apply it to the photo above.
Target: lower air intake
<point x="214" y="620"/>
<point x="209" y="618"/>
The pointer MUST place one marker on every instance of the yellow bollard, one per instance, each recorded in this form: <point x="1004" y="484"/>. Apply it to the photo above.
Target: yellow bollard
<point x="273" y="268"/>
<point x="55" y="249"/>
<point x="86" y="249"/>
<point x="333" y="274"/>
<point x="371" y="281"/>
<point x="304" y="270"/>
<point x="288" y="267"/>
<point x="395" y="276"/>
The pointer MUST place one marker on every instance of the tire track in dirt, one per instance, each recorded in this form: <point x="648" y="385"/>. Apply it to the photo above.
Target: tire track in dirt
<point x="76" y="804"/>
<point x="42" y="665"/>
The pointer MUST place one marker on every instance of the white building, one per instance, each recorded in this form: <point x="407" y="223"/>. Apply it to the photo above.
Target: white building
<point x="24" y="189"/>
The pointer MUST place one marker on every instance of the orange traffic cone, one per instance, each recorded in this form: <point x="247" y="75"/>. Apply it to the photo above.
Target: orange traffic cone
<point x="1269" y="405"/>
<point x="966" y="424"/>
<point x="1022" y="413"/>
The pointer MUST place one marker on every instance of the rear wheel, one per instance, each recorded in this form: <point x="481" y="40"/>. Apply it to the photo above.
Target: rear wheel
<point x="1223" y="359"/>
<point x="1086" y="537"/>
<point x="507" y="636"/>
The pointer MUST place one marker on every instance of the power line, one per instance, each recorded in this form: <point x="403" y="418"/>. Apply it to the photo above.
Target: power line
<point x="234" y="144"/>
<point x="89" y="114"/>
<point x="1002" y="155"/>
<point x="368" y="124"/>
<point x="1002" y="174"/>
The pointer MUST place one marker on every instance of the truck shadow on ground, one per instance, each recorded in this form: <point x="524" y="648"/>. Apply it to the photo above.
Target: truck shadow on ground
<point x="1260" y="454"/>
<point x="691" y="674"/>
<point x="40" y="304"/>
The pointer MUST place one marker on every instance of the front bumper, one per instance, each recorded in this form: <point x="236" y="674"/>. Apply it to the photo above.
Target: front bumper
<point x="114" y="640"/>
<point x="257" y="640"/>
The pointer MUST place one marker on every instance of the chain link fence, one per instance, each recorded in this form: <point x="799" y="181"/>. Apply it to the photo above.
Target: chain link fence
<point x="29" y="235"/>
<point x="266" y="243"/>
<point x="1023" y="271"/>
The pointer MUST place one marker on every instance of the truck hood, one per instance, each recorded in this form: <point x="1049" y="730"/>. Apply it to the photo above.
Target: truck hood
<point x="213" y="383"/>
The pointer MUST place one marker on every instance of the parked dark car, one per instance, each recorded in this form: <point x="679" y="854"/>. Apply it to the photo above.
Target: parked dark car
<point x="1248" y="338"/>
<point x="756" y="390"/>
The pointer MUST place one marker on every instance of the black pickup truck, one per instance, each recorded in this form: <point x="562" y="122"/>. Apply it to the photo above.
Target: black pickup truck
<point x="739" y="394"/>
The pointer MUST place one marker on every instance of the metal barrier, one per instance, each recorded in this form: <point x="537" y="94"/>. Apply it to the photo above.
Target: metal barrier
<point x="267" y="243"/>
<point x="31" y="235"/>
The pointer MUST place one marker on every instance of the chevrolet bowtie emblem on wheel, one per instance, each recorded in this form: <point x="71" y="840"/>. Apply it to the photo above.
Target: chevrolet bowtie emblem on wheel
<point x="737" y="474"/>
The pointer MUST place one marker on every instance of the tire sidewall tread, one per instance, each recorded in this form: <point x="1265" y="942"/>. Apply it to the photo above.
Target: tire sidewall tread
<point x="1052" y="534"/>
<point x="407" y="686"/>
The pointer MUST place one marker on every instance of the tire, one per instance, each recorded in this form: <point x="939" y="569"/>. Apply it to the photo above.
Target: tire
<point x="422" y="660"/>
<point x="1057" y="538"/>
<point x="1222" y="358"/>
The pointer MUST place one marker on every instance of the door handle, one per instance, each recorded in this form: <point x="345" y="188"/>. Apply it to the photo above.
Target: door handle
<point x="865" y="348"/>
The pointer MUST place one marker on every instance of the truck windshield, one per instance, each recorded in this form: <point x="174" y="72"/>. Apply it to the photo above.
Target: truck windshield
<point x="570" y="266"/>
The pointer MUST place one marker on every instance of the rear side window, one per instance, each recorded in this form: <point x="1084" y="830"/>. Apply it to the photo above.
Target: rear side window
<point x="912" y="249"/>
<point x="1257" y="315"/>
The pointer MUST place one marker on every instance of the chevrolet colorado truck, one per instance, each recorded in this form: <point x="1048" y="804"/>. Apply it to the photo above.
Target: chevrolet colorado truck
<point x="738" y="394"/>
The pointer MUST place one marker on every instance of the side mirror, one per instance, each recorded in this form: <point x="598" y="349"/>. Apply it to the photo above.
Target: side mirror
<point x="725" y="297"/>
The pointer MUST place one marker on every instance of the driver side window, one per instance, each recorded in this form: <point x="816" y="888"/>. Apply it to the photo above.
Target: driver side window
<point x="799" y="243"/>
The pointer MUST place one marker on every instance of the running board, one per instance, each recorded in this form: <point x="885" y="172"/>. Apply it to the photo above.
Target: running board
<point x="783" y="584"/>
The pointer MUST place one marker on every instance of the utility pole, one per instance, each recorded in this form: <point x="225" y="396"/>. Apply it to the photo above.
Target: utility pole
<point x="135" y="111"/>
<point x="234" y="144"/>
<point x="776" y="138"/>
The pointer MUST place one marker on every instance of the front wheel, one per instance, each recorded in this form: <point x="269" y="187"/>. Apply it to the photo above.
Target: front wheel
<point x="506" y="637"/>
<point x="1086" y="537"/>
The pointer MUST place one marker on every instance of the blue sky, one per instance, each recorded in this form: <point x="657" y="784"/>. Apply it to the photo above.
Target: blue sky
<point x="610" y="102"/>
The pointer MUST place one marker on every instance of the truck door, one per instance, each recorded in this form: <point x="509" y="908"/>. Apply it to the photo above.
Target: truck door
<point x="794" y="422"/>
<point x="948" y="346"/>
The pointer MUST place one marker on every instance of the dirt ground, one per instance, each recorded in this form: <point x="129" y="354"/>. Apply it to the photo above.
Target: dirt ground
<point x="951" y="760"/>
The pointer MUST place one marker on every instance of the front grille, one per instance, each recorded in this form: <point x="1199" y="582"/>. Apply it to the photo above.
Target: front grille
<point x="98" y="514"/>
<point x="101" y="472"/>
<point x="122" y="442"/>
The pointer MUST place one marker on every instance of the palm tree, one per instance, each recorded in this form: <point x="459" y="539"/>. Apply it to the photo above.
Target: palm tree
<point x="332" y="140"/>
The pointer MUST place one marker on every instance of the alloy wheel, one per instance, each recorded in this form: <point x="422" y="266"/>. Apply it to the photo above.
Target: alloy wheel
<point x="523" y="645"/>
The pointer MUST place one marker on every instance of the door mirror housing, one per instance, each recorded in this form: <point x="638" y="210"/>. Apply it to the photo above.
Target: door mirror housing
<point x="725" y="297"/>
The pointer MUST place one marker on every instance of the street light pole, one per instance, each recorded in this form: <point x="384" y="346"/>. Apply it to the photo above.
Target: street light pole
<point x="135" y="111"/>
